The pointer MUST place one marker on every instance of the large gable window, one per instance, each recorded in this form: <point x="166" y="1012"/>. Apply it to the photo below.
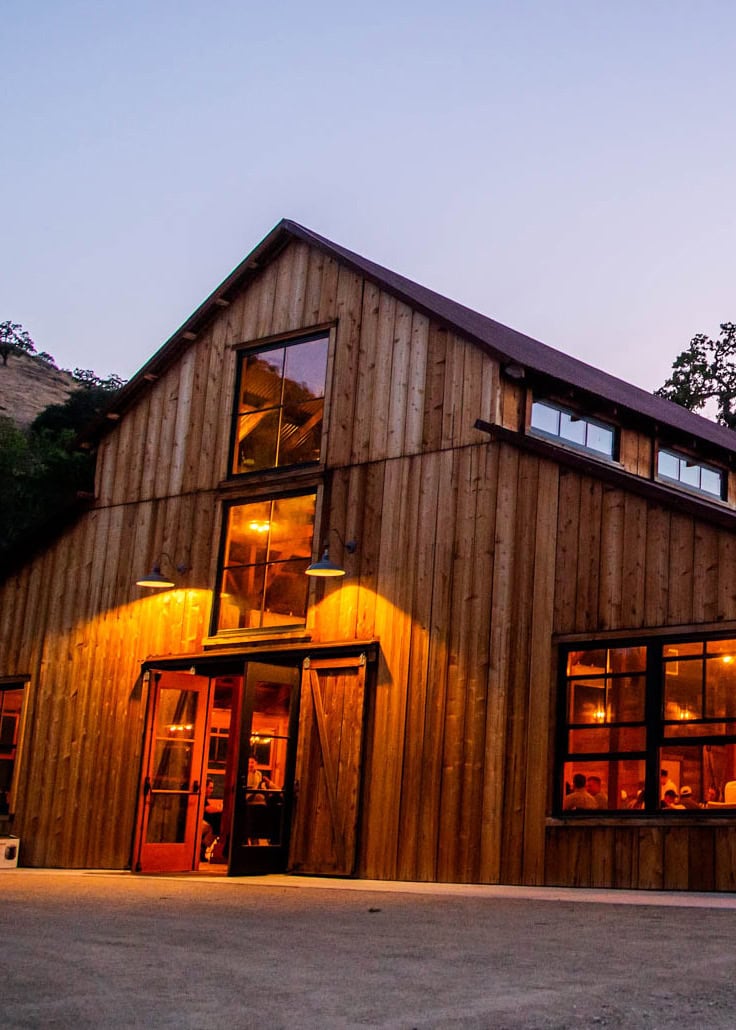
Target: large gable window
<point x="268" y="546"/>
<point x="650" y="728"/>
<point x="568" y="427"/>
<point x="279" y="405"/>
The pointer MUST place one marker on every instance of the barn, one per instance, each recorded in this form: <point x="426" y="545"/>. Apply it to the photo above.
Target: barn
<point x="374" y="586"/>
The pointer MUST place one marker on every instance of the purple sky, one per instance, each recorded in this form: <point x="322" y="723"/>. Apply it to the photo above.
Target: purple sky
<point x="567" y="168"/>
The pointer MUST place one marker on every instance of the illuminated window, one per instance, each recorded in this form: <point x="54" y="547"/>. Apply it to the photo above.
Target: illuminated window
<point x="279" y="405"/>
<point x="691" y="474"/>
<point x="11" y="704"/>
<point x="268" y="546"/>
<point x="575" y="430"/>
<point x="643" y="720"/>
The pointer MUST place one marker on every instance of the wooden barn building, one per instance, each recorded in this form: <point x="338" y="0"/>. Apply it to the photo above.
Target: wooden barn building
<point x="526" y="674"/>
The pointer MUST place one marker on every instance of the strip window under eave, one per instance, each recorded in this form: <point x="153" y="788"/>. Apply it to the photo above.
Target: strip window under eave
<point x="690" y="474"/>
<point x="567" y="427"/>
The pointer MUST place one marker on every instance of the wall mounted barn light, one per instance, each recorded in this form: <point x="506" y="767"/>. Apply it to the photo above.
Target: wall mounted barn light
<point x="156" y="579"/>
<point x="327" y="568"/>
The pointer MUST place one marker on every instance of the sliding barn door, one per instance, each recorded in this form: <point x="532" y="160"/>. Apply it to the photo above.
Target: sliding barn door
<point x="328" y="773"/>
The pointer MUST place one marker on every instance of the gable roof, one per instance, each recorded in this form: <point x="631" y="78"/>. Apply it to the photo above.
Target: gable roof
<point x="506" y="345"/>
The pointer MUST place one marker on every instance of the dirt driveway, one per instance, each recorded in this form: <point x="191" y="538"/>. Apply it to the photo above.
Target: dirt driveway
<point x="112" y="950"/>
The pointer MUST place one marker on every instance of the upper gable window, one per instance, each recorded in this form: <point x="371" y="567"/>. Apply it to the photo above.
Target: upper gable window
<point x="579" y="431"/>
<point x="689" y="473"/>
<point x="279" y="405"/>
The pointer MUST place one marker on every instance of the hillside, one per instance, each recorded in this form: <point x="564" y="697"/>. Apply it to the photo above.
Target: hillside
<point x="28" y="385"/>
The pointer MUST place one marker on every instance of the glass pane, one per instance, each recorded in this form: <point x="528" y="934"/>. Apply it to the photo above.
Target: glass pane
<point x="11" y="702"/>
<point x="627" y="659"/>
<point x="690" y="473"/>
<point x="292" y="527"/>
<point x="247" y="533"/>
<point x="255" y="443"/>
<point x="727" y="647"/>
<point x="720" y="687"/>
<point x="241" y="598"/>
<point x="699" y="774"/>
<point x="286" y="592"/>
<point x="668" y="465"/>
<point x="586" y="663"/>
<point x="267" y="762"/>
<point x="683" y="689"/>
<point x="599" y="739"/>
<point x="625" y="699"/>
<point x="306" y="370"/>
<point x="260" y="384"/>
<point x="710" y="482"/>
<point x="167" y="819"/>
<point x="545" y="418"/>
<point x="177" y="711"/>
<point x="172" y="765"/>
<point x="680" y="650"/>
<point x="616" y="784"/>
<point x="300" y="438"/>
<point x="687" y="728"/>
<point x="587" y="701"/>
<point x="600" y="439"/>
<point x="572" y="428"/>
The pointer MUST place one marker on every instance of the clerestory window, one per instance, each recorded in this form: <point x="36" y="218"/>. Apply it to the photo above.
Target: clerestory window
<point x="574" y="430"/>
<point x="691" y="474"/>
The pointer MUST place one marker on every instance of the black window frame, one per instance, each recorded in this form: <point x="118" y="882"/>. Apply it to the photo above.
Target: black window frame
<point x="242" y="354"/>
<point x="576" y="416"/>
<point x="259" y="498"/>
<point x="655" y="723"/>
<point x="698" y="491"/>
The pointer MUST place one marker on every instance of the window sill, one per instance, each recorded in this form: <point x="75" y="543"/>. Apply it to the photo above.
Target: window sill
<point x="705" y="817"/>
<point x="258" y="637"/>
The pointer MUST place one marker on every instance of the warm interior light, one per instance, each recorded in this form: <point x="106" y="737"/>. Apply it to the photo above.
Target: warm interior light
<point x="259" y="525"/>
<point x="727" y="659"/>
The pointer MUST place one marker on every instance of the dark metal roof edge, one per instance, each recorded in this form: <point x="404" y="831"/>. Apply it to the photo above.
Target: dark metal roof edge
<point x="500" y="341"/>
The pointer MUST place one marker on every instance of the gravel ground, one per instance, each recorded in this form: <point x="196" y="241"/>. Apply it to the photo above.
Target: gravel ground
<point x="112" y="950"/>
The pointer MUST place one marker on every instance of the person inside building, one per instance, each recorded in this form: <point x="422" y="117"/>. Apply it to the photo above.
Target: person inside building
<point x="686" y="798"/>
<point x="594" y="787"/>
<point x="579" y="796"/>
<point x="670" y="799"/>
<point x="665" y="783"/>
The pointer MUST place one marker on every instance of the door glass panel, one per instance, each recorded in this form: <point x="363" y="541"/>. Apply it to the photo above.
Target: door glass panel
<point x="265" y="781"/>
<point x="167" y="821"/>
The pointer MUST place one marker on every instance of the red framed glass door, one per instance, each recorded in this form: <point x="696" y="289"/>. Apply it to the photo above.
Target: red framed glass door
<point x="170" y="817"/>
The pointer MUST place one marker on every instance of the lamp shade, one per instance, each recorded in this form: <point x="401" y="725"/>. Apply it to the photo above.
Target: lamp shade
<point x="155" y="578"/>
<point x="324" y="567"/>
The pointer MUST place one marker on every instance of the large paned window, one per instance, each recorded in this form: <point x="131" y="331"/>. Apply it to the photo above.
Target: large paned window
<point x="649" y="728"/>
<point x="279" y="405"/>
<point x="268" y="546"/>
<point x="568" y="427"/>
<point x="691" y="474"/>
<point x="11" y="705"/>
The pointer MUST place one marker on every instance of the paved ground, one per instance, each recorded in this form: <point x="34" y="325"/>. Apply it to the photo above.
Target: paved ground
<point x="113" y="950"/>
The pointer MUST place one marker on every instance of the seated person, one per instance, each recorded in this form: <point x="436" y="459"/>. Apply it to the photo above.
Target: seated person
<point x="212" y="808"/>
<point x="579" y="796"/>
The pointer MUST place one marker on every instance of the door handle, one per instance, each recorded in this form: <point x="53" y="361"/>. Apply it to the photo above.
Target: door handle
<point x="146" y="786"/>
<point x="195" y="787"/>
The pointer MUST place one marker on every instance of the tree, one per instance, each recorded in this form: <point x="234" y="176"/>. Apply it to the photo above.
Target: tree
<point x="42" y="475"/>
<point x="14" y="339"/>
<point x="706" y="372"/>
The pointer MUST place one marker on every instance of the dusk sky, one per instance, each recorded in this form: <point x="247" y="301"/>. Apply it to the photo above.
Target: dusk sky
<point x="568" y="168"/>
